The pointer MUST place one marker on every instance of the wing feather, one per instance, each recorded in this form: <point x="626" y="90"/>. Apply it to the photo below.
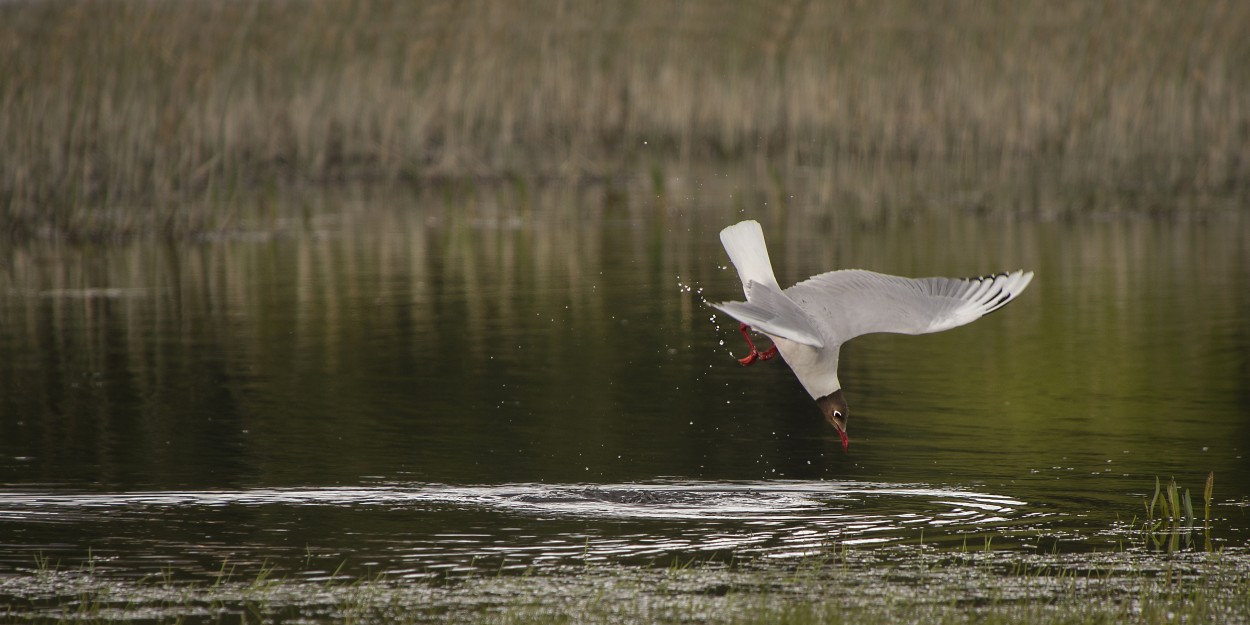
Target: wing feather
<point x="854" y="302"/>
<point x="770" y="311"/>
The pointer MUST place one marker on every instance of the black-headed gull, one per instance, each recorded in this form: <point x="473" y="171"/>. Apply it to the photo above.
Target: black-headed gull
<point x="810" y="321"/>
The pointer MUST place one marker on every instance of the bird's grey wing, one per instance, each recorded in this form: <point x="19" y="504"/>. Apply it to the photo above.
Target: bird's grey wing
<point x="853" y="302"/>
<point x="768" y="310"/>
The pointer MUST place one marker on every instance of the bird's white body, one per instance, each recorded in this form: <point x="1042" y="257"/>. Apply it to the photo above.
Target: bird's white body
<point x="810" y="321"/>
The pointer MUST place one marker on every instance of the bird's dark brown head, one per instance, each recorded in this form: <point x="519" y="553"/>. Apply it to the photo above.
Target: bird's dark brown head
<point x="833" y="406"/>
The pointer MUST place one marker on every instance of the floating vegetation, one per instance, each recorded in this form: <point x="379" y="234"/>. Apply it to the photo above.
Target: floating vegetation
<point x="901" y="583"/>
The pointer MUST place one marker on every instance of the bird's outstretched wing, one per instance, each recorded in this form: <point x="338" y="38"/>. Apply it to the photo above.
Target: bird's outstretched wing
<point x="771" y="312"/>
<point x="853" y="302"/>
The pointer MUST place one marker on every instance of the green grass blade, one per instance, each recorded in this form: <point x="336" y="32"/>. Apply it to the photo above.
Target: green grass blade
<point x="1206" y="497"/>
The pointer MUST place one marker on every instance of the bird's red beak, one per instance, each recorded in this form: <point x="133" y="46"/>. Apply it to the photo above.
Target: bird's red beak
<point x="846" y="443"/>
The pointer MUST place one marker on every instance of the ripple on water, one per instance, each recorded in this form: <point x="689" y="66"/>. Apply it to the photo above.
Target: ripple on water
<point x="543" y="524"/>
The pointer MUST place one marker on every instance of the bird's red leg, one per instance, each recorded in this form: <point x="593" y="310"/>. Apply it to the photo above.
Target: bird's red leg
<point x="755" y="354"/>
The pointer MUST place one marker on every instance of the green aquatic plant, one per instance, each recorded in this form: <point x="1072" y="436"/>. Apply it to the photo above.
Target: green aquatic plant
<point x="1206" y="500"/>
<point x="1176" y="519"/>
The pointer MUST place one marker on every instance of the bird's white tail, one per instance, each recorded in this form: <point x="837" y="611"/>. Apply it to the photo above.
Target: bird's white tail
<point x="745" y="243"/>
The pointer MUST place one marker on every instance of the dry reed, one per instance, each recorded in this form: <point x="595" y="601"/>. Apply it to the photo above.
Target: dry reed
<point x="117" y="115"/>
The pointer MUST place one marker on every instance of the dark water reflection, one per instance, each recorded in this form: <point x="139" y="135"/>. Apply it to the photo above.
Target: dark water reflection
<point x="403" y="384"/>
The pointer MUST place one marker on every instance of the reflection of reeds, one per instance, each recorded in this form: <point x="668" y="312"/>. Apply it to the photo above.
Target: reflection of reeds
<point x="127" y="104"/>
<point x="128" y="344"/>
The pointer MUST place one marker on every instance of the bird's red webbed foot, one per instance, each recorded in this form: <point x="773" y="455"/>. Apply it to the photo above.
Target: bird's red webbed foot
<point x="755" y="354"/>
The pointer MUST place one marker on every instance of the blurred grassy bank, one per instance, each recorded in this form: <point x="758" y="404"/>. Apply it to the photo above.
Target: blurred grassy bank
<point x="122" y="116"/>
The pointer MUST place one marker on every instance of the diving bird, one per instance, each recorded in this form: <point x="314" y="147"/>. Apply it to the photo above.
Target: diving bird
<point x="809" y="322"/>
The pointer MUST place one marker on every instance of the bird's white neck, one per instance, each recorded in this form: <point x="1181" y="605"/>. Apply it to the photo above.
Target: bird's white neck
<point x="816" y="369"/>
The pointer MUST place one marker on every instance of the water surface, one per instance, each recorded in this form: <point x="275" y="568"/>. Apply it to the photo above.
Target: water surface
<point x="402" y="385"/>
